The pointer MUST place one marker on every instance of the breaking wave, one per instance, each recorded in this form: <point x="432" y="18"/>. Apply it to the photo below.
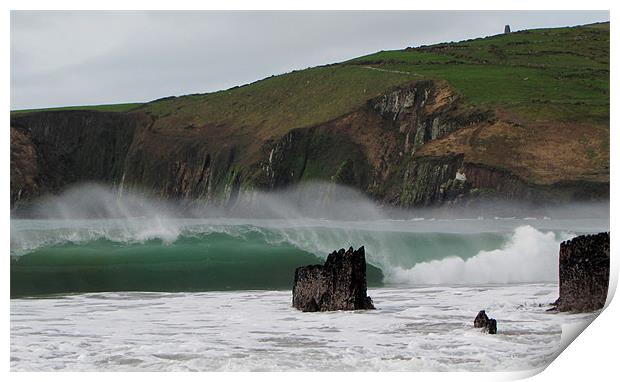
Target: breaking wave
<point x="137" y="244"/>
<point x="529" y="256"/>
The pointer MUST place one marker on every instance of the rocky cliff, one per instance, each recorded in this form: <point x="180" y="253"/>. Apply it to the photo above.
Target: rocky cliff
<point x="50" y="150"/>
<point x="375" y="148"/>
<point x="453" y="134"/>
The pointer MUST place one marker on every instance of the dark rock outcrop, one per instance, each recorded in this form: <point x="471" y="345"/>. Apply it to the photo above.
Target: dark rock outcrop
<point x="481" y="320"/>
<point x="339" y="284"/>
<point x="489" y="325"/>
<point x="584" y="273"/>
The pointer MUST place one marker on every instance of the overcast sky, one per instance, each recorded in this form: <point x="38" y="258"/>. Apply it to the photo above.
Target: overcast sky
<point x="61" y="58"/>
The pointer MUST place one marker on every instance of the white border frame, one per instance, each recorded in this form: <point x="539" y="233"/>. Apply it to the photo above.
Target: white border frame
<point x="592" y="356"/>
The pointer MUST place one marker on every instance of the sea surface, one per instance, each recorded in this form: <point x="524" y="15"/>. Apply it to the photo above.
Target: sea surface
<point x="166" y="293"/>
<point x="172" y="254"/>
<point x="413" y="329"/>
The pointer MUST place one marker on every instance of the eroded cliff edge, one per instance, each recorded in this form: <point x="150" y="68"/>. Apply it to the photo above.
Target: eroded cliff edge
<point x="417" y="144"/>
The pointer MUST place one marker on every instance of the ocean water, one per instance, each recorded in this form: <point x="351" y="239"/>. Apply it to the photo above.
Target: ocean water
<point x="130" y="286"/>
<point x="172" y="254"/>
<point x="413" y="329"/>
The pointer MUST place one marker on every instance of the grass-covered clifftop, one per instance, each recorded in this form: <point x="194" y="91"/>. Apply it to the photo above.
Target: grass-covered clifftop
<point x="546" y="74"/>
<point x="120" y="107"/>
<point x="543" y="95"/>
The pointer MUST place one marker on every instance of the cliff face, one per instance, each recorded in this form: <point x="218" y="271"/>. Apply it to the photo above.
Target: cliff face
<point x="50" y="150"/>
<point x="24" y="167"/>
<point x="375" y="148"/>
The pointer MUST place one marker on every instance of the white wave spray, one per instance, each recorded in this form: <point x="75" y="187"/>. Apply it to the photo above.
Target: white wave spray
<point x="529" y="256"/>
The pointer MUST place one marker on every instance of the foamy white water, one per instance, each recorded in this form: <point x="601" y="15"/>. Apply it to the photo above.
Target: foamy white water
<point x="414" y="328"/>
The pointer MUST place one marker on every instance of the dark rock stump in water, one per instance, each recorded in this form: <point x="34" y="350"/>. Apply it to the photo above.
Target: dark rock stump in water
<point x="483" y="321"/>
<point x="339" y="284"/>
<point x="584" y="273"/>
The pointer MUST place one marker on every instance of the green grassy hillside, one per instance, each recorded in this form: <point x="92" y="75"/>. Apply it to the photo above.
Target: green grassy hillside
<point x="554" y="74"/>
<point x="278" y="104"/>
